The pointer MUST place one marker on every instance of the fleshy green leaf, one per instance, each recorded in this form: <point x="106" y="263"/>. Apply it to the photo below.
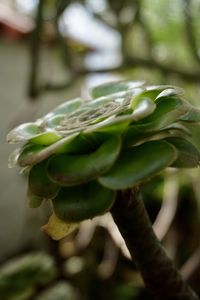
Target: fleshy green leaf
<point x="33" y="153"/>
<point x="54" y="121"/>
<point x="188" y="155"/>
<point x="33" y="133"/>
<point x="192" y="116"/>
<point x="137" y="164"/>
<point x="28" y="152"/>
<point x="23" y="132"/>
<point x="114" y="125"/>
<point x="143" y="109"/>
<point x="46" y="138"/>
<point x="134" y="136"/>
<point x="66" y="108"/>
<point x="170" y="91"/>
<point x="168" y="110"/>
<point x="68" y="170"/>
<point x="74" y="204"/>
<point x="114" y="87"/>
<point x="98" y="102"/>
<point x="40" y="184"/>
<point x="154" y="92"/>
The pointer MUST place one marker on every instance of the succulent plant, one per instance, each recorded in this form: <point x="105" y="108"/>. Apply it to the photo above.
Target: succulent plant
<point x="82" y="152"/>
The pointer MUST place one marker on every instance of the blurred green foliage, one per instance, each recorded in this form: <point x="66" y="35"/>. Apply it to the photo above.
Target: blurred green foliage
<point x="19" y="277"/>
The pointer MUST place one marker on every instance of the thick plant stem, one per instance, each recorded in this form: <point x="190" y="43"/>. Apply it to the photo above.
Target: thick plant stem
<point x="159" y="274"/>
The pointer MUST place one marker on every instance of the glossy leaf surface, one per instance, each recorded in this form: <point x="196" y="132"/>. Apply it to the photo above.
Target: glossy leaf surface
<point x="74" y="204"/>
<point x="138" y="164"/>
<point x="33" y="153"/>
<point x="127" y="134"/>
<point x="46" y="138"/>
<point x="69" y="170"/>
<point x="168" y="110"/>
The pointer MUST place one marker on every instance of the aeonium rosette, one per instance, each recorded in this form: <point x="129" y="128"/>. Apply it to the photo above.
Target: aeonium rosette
<point x="81" y="153"/>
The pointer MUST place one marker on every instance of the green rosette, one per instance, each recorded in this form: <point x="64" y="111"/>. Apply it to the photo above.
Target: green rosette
<point x="78" y="155"/>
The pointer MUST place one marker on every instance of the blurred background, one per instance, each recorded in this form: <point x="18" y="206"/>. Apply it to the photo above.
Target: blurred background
<point x="55" y="50"/>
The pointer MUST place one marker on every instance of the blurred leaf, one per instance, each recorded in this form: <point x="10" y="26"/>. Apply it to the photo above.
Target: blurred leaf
<point x="21" y="275"/>
<point x="138" y="164"/>
<point x="23" y="295"/>
<point x="23" y="132"/>
<point x="171" y="91"/>
<point x="188" y="155"/>
<point x="66" y="108"/>
<point x="82" y="202"/>
<point x="100" y="101"/>
<point x="69" y="170"/>
<point x="54" y="120"/>
<point x="60" y="291"/>
<point x="114" y="87"/>
<point x="192" y="116"/>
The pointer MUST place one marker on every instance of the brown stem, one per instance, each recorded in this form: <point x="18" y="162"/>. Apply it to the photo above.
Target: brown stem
<point x="159" y="274"/>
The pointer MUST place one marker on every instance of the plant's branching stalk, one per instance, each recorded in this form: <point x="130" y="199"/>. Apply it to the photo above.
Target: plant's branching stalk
<point x="159" y="274"/>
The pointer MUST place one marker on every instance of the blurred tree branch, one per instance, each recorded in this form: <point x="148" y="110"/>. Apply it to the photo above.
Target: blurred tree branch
<point x="129" y="62"/>
<point x="190" y="31"/>
<point x="35" y="46"/>
<point x="132" y="62"/>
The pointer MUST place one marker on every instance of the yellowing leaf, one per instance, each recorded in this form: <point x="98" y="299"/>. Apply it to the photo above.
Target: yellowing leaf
<point x="58" y="229"/>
